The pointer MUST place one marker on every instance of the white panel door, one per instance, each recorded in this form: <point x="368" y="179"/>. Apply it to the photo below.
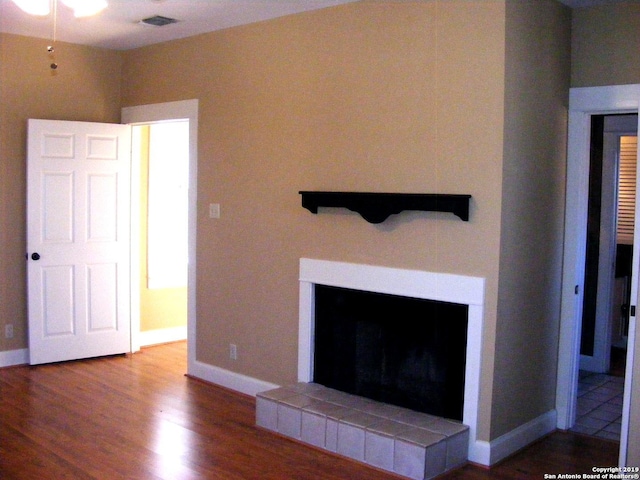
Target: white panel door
<point x="78" y="239"/>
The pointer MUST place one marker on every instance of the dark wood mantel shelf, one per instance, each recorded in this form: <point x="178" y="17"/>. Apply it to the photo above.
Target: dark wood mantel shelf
<point x="377" y="207"/>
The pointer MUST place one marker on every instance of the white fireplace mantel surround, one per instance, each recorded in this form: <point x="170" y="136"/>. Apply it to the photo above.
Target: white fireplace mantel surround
<point x="442" y="287"/>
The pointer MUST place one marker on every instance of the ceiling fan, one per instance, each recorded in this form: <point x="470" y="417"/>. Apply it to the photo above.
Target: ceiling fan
<point x="81" y="8"/>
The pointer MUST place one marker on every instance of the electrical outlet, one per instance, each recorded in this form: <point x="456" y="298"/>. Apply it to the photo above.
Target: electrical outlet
<point x="233" y="351"/>
<point x="8" y="330"/>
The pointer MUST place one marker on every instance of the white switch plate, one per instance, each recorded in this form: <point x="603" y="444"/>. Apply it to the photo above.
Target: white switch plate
<point x="214" y="210"/>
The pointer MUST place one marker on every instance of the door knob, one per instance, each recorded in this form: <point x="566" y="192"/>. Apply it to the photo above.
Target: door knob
<point x="35" y="256"/>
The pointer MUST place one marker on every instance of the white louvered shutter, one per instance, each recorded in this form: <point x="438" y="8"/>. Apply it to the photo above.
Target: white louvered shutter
<point x="627" y="189"/>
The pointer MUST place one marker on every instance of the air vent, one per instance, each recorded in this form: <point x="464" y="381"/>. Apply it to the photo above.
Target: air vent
<point x="158" y="21"/>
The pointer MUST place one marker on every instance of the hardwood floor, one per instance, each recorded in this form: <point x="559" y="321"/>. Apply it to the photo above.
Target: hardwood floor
<point x="139" y="417"/>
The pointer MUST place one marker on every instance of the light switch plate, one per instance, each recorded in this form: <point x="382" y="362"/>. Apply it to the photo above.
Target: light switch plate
<point x="214" y="210"/>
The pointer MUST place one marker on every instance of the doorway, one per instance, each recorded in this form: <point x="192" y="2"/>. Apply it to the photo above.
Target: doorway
<point x="186" y="110"/>
<point x="583" y="104"/>
<point x="608" y="273"/>
<point x="609" y="242"/>
<point x="163" y="152"/>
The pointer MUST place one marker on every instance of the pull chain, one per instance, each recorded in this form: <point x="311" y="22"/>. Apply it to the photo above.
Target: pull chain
<point x="51" y="48"/>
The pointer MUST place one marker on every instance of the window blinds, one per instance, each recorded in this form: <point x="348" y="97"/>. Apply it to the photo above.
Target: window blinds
<point x="627" y="189"/>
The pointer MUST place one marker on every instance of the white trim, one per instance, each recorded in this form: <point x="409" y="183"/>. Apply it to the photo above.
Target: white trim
<point x="409" y="283"/>
<point x="584" y="102"/>
<point x="630" y="372"/>
<point x="605" y="100"/>
<point x="11" y="358"/>
<point x="162" y="335"/>
<point x="573" y="269"/>
<point x="442" y="287"/>
<point x="228" y="379"/>
<point x="490" y="453"/>
<point x="143" y="114"/>
<point x="626" y="398"/>
<point x="134" y="249"/>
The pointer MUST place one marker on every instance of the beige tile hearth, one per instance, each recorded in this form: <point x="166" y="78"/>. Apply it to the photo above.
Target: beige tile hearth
<point x="409" y="443"/>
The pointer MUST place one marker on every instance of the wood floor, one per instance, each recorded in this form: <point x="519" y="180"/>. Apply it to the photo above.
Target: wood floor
<point x="138" y="417"/>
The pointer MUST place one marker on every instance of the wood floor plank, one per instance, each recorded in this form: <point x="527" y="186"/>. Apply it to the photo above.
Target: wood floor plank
<point x="139" y="417"/>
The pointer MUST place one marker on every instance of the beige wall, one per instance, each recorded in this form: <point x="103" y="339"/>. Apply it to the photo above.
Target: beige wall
<point x="536" y="99"/>
<point x="86" y="87"/>
<point x="378" y="97"/>
<point x="605" y="45"/>
<point x="373" y="96"/>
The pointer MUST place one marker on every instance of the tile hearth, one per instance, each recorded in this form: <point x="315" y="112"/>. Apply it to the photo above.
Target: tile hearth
<point x="409" y="443"/>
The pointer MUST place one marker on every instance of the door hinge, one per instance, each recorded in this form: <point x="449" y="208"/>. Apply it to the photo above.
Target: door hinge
<point x="632" y="311"/>
<point x="576" y="290"/>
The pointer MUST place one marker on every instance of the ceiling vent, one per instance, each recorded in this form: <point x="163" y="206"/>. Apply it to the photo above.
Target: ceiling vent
<point x="158" y="21"/>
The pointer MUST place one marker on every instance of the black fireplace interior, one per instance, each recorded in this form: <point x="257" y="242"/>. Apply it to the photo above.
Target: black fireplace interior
<point x="404" y="351"/>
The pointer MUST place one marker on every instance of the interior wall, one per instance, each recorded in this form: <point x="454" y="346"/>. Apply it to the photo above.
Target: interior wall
<point x="533" y="191"/>
<point x="370" y="96"/>
<point x="85" y="87"/>
<point x="536" y="99"/>
<point x="605" y="45"/>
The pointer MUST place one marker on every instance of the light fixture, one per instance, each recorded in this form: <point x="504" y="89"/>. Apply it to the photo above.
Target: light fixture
<point x="81" y="8"/>
<point x="34" y="7"/>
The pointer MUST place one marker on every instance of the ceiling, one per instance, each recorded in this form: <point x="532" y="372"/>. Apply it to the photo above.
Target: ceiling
<point x="119" y="28"/>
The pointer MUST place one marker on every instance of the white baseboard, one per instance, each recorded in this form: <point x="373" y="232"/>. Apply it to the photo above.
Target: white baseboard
<point x="228" y="379"/>
<point x="162" y="335"/>
<point x="14" y="357"/>
<point x="480" y="452"/>
<point x="490" y="453"/>
<point x="151" y="337"/>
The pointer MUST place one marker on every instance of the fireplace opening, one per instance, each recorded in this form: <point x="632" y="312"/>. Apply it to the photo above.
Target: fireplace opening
<point x="404" y="351"/>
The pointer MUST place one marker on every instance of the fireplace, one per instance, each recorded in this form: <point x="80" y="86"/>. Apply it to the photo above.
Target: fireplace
<point x="373" y="404"/>
<point x="460" y="296"/>
<point x="403" y="351"/>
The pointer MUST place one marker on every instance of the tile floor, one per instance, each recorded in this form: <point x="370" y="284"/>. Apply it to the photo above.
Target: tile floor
<point x="599" y="405"/>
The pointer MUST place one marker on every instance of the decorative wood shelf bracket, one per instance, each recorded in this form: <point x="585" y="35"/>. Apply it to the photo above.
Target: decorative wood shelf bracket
<point x="377" y="207"/>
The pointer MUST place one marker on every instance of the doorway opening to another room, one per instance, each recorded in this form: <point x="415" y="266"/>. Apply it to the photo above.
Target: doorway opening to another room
<point x="184" y="116"/>
<point x="163" y="152"/>
<point x="586" y="104"/>
<point x="608" y="274"/>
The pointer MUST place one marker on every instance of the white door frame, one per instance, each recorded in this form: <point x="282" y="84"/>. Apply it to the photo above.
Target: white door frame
<point x="583" y="103"/>
<point x="145" y="114"/>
